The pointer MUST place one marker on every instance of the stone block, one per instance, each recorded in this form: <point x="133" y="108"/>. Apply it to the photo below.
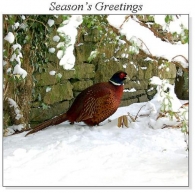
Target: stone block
<point x="128" y="102"/>
<point x="83" y="52"/>
<point x="59" y="92"/>
<point x="84" y="71"/>
<point x="92" y="36"/>
<point x="129" y="95"/>
<point x="137" y="85"/>
<point x="132" y="70"/>
<point x="40" y="114"/>
<point x="44" y="79"/>
<point x="168" y="72"/>
<point x="81" y="85"/>
<point x="143" y="98"/>
<point x="149" y="70"/>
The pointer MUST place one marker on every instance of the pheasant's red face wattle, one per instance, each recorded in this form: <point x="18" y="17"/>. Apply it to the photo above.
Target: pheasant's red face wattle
<point x="122" y="75"/>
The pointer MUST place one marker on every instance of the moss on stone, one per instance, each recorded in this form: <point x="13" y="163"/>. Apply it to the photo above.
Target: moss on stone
<point x="58" y="93"/>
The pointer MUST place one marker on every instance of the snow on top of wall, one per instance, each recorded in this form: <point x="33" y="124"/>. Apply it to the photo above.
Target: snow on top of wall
<point x="69" y="30"/>
<point x="135" y="32"/>
<point x="131" y="90"/>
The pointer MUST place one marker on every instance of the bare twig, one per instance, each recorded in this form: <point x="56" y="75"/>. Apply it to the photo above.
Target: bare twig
<point x="126" y="18"/>
<point x="139" y="111"/>
<point x="179" y="65"/>
<point x="180" y="56"/>
<point x="131" y="117"/>
<point x="185" y="105"/>
<point x="172" y="126"/>
<point x="145" y="45"/>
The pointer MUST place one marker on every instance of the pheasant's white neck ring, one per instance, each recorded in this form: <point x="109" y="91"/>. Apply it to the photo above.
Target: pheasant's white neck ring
<point x="116" y="84"/>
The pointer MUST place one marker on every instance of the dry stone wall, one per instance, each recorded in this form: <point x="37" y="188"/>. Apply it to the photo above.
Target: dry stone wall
<point x="53" y="95"/>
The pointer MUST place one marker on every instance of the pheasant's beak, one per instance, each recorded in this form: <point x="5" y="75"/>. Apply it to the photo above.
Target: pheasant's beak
<point x="127" y="77"/>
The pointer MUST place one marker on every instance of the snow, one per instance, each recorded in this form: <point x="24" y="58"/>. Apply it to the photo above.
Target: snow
<point x="175" y="25"/>
<point x="16" y="46"/>
<point x="69" y="31"/>
<point x="15" y="26"/>
<point x="19" y="71"/>
<point x="60" y="54"/>
<point x="148" y="59"/>
<point x="52" y="72"/>
<point x="11" y="129"/>
<point x="4" y="62"/>
<point x="16" y="56"/>
<point x="124" y="65"/>
<point x="131" y="90"/>
<point x="12" y="103"/>
<point x="10" y="37"/>
<point x="166" y="94"/>
<point x="23" y="17"/>
<point x="143" y="154"/>
<point x="50" y="22"/>
<point x="9" y="70"/>
<point x="80" y="44"/>
<point x="140" y="34"/>
<point x="155" y="80"/>
<point x="182" y="60"/>
<point x="79" y="155"/>
<point x="52" y="50"/>
<point x="180" y="72"/>
<point x="48" y="89"/>
<point x="56" y="38"/>
<point x="59" y="75"/>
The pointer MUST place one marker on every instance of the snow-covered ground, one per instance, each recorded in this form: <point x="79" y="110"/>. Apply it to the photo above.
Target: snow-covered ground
<point x="143" y="154"/>
<point x="105" y="155"/>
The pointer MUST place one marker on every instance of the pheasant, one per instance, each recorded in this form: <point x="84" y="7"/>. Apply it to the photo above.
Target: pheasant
<point x="93" y="105"/>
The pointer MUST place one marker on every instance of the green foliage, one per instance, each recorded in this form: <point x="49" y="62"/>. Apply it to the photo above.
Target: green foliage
<point x="94" y="21"/>
<point x="168" y="19"/>
<point x="32" y="29"/>
<point x="183" y="36"/>
<point x="45" y="106"/>
<point x="134" y="48"/>
<point x="58" y="77"/>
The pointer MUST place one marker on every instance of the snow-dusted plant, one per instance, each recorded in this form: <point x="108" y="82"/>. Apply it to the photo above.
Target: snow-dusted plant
<point x="168" y="101"/>
<point x="169" y="106"/>
<point x="93" y="55"/>
<point x="134" y="48"/>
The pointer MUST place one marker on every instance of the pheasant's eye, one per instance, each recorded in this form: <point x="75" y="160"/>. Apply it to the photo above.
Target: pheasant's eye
<point x="122" y="75"/>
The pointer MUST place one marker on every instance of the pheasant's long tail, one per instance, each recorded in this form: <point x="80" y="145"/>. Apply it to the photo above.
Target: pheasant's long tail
<point x="54" y="121"/>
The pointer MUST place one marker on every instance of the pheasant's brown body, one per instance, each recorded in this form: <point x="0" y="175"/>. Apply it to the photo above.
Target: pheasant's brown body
<point x="95" y="104"/>
<point x="92" y="106"/>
